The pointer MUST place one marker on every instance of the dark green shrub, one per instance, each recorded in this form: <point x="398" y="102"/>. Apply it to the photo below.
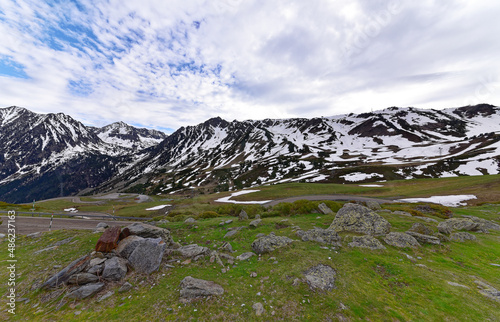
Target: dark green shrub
<point x="208" y="214"/>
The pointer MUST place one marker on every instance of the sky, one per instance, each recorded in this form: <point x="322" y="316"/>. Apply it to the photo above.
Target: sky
<point x="166" y="64"/>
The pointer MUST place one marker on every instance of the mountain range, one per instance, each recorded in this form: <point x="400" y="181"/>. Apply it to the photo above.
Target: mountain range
<point x="51" y="155"/>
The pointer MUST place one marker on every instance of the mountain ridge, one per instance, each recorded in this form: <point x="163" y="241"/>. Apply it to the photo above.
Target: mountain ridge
<point x="217" y="155"/>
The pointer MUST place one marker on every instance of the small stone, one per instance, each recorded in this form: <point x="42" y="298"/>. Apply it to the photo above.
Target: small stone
<point x="253" y="274"/>
<point x="125" y="287"/>
<point x="259" y="309"/>
<point x="245" y="256"/>
<point x="257" y="216"/>
<point x="243" y="215"/>
<point x="190" y="220"/>
<point x="102" y="225"/>
<point x="227" y="222"/>
<point x="230" y="233"/>
<point x="105" y="296"/>
<point x="458" y="285"/>
<point x="324" y="209"/>
<point x="255" y="223"/>
<point x="82" y="278"/>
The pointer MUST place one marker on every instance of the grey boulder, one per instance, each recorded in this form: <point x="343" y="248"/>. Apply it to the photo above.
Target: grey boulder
<point x="193" y="288"/>
<point x="127" y="245"/>
<point x="449" y="225"/>
<point x="82" y="279"/>
<point x="146" y="257"/>
<point x="462" y="236"/>
<point x="320" y="277"/>
<point x="319" y="235"/>
<point x="150" y="231"/>
<point x="359" y="219"/>
<point x="269" y="243"/>
<point x="115" y="269"/>
<point x="366" y="241"/>
<point x="424" y="239"/>
<point x="401" y="240"/>
<point x="86" y="291"/>
<point x="193" y="250"/>
<point x="63" y="276"/>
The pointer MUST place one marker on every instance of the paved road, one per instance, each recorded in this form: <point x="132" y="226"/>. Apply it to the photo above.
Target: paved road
<point x="326" y="197"/>
<point x="26" y="225"/>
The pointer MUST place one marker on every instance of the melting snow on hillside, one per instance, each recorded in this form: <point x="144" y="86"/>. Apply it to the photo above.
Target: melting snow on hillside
<point x="158" y="207"/>
<point x="239" y="193"/>
<point x="449" y="201"/>
<point x="359" y="176"/>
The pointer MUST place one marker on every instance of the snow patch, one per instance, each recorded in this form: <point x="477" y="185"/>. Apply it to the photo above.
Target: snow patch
<point x="359" y="176"/>
<point x="158" y="207"/>
<point x="239" y="193"/>
<point x="449" y="201"/>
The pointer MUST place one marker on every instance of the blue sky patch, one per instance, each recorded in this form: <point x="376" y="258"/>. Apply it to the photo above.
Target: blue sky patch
<point x="11" y="68"/>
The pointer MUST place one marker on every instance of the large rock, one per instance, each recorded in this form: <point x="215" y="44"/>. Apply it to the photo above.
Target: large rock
<point x="63" y="276"/>
<point x="108" y="240"/>
<point x="269" y="243"/>
<point x="359" y="219"/>
<point x="424" y="239"/>
<point x="150" y="231"/>
<point x="192" y="250"/>
<point x="421" y="229"/>
<point x="401" y="240"/>
<point x="462" y="236"/>
<point x="320" y="277"/>
<point x="366" y="241"/>
<point x="82" y="279"/>
<point x="243" y="215"/>
<point x="193" y="288"/>
<point x="86" y="291"/>
<point x="449" y="225"/>
<point x="115" y="269"/>
<point x="324" y="209"/>
<point x="484" y="225"/>
<point x="373" y="205"/>
<point x="127" y="245"/>
<point x="319" y="235"/>
<point x="146" y="257"/>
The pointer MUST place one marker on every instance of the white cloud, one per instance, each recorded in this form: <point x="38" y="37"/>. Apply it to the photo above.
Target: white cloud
<point x="169" y="64"/>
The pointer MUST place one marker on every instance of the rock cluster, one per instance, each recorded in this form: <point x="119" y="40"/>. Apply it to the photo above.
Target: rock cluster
<point x="323" y="236"/>
<point x="139" y="246"/>
<point x="269" y="243"/>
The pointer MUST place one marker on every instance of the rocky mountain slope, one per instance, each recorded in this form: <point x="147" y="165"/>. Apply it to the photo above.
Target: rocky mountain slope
<point x="51" y="155"/>
<point x="48" y="155"/>
<point x="394" y="143"/>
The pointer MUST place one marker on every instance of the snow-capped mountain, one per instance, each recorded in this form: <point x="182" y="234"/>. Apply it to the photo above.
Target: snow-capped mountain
<point x="393" y="143"/>
<point x="124" y="135"/>
<point x="44" y="156"/>
<point x="47" y="155"/>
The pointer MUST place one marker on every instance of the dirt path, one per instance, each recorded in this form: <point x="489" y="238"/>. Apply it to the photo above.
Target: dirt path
<point x="27" y="225"/>
<point x="326" y="197"/>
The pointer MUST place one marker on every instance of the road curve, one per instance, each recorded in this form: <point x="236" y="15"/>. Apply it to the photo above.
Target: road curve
<point x="27" y="225"/>
<point x="326" y="197"/>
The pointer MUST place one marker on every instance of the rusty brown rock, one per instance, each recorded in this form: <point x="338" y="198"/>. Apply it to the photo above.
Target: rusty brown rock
<point x="125" y="233"/>
<point x="108" y="240"/>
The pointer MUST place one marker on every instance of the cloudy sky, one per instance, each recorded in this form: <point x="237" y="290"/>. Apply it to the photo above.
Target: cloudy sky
<point x="165" y="64"/>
